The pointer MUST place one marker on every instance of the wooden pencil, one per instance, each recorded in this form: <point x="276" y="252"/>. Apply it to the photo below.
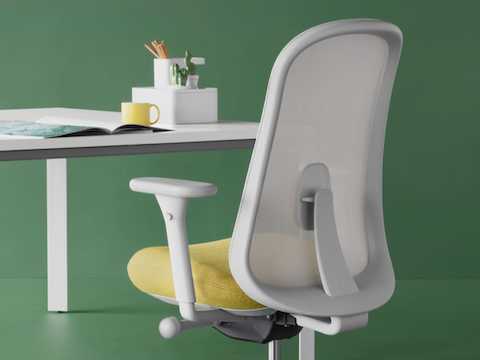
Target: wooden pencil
<point x="152" y="50"/>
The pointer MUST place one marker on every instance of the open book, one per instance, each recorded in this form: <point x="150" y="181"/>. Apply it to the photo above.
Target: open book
<point x="55" y="127"/>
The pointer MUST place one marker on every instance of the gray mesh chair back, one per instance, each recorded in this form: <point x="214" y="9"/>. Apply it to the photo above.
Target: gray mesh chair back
<point x="309" y="237"/>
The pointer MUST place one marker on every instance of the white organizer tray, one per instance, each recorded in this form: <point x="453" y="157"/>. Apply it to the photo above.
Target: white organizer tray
<point x="180" y="105"/>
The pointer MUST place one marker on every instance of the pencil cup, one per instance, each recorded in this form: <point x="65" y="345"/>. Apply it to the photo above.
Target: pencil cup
<point x="161" y="71"/>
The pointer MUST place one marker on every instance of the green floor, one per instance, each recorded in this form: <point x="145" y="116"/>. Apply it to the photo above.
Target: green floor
<point x="110" y="320"/>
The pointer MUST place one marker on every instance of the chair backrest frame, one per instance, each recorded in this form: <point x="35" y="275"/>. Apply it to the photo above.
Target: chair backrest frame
<point x="376" y="280"/>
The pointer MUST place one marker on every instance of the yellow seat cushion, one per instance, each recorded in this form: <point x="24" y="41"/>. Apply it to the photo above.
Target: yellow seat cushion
<point x="150" y="271"/>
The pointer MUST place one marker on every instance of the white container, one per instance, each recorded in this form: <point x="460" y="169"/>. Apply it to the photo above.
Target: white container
<point x="192" y="82"/>
<point x="161" y="70"/>
<point x="180" y="105"/>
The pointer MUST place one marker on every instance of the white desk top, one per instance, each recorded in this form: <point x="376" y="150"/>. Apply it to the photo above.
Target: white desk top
<point x="216" y="132"/>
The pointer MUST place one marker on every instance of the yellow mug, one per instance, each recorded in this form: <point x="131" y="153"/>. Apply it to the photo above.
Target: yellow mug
<point x="139" y="113"/>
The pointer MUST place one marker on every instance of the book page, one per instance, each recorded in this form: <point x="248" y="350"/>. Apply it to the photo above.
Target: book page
<point x="28" y="129"/>
<point x="80" y="121"/>
<point x="87" y="120"/>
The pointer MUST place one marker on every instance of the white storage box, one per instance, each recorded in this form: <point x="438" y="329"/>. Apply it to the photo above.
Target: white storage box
<point x="180" y="105"/>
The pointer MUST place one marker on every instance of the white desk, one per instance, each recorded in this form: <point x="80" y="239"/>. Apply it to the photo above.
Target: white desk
<point x="56" y="151"/>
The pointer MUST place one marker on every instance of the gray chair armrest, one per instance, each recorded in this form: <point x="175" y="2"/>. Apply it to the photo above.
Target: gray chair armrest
<point x="172" y="195"/>
<point x="173" y="187"/>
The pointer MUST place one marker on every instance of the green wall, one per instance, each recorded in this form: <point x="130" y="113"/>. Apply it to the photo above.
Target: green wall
<point x="89" y="54"/>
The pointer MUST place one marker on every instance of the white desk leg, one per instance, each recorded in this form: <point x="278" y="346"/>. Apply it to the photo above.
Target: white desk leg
<point x="306" y="344"/>
<point x="57" y="272"/>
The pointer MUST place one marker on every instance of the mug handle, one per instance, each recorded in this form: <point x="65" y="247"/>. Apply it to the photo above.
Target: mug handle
<point x="158" y="114"/>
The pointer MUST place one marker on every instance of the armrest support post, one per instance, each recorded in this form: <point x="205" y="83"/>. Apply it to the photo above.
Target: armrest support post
<point x="174" y="211"/>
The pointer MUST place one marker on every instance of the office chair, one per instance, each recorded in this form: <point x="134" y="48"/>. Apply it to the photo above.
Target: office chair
<point x="308" y="252"/>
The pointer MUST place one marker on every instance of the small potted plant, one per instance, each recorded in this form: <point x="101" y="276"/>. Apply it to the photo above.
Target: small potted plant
<point x="192" y="77"/>
<point x="186" y="76"/>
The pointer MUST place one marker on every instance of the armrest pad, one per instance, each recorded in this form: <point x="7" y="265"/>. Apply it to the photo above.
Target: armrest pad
<point x="173" y="187"/>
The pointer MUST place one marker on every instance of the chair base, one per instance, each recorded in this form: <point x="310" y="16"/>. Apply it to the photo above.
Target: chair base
<point x="250" y="329"/>
<point x="306" y="346"/>
<point x="278" y="326"/>
<point x="274" y="350"/>
<point x="258" y="329"/>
